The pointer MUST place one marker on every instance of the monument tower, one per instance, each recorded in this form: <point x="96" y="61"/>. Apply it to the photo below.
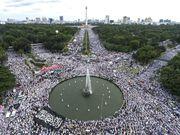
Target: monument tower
<point x="86" y="17"/>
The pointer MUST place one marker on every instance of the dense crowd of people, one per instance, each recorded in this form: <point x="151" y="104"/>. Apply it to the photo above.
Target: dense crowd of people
<point x="148" y="109"/>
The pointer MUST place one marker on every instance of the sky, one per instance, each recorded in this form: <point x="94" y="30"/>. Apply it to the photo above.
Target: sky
<point x="97" y="9"/>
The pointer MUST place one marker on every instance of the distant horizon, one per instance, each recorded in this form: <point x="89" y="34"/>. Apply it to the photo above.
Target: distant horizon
<point x="74" y="10"/>
<point x="76" y="19"/>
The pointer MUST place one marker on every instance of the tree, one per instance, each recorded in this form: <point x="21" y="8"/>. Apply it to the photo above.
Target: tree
<point x="32" y="37"/>
<point x="65" y="49"/>
<point x="134" y="44"/>
<point x="7" y="80"/>
<point x="170" y="75"/>
<point x="117" y="39"/>
<point x="2" y="55"/>
<point x="145" y="54"/>
<point x="22" y="43"/>
<point x="8" y="39"/>
<point x="20" y="36"/>
<point x="20" y="51"/>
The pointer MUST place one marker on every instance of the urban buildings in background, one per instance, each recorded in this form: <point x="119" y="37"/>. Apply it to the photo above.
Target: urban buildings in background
<point x="37" y="20"/>
<point x="106" y="20"/>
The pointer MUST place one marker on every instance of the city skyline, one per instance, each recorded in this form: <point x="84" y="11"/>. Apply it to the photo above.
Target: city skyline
<point x="73" y="10"/>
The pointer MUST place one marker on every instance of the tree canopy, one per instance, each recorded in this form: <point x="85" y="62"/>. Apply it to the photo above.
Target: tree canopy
<point x="2" y="55"/>
<point x="7" y="79"/>
<point x="128" y="38"/>
<point x="147" y="53"/>
<point x="170" y="75"/>
<point x="21" y="36"/>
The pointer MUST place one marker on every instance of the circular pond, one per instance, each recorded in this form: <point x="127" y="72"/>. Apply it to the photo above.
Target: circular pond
<point x="67" y="99"/>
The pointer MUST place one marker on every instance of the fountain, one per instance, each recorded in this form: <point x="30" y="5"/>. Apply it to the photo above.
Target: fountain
<point x="87" y="91"/>
<point x="78" y="96"/>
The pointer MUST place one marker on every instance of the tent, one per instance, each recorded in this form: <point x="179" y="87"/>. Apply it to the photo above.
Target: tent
<point x="53" y="67"/>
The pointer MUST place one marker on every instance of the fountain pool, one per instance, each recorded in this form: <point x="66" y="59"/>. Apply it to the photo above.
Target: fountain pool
<point x="67" y="99"/>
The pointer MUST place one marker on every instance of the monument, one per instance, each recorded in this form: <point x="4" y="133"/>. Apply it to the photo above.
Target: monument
<point x="86" y="21"/>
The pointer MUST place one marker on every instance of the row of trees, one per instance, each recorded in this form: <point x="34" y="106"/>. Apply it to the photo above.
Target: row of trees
<point x="86" y="44"/>
<point x="21" y="36"/>
<point x="7" y="80"/>
<point x="2" y="55"/>
<point x="128" y="38"/>
<point x="170" y="76"/>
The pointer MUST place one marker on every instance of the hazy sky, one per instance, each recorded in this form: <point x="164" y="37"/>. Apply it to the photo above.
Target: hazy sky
<point x="74" y="9"/>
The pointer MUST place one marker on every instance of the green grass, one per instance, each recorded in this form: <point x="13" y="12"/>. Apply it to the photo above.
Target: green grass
<point x="86" y="44"/>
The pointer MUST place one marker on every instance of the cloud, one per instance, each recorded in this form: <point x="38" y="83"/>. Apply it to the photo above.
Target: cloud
<point x="51" y="1"/>
<point x="16" y="0"/>
<point x="20" y="4"/>
<point x="23" y="3"/>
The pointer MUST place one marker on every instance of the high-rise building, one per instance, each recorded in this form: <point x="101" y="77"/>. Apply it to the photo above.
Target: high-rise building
<point x="138" y="21"/>
<point x="148" y="20"/>
<point x="61" y="19"/>
<point x="107" y="21"/>
<point x="111" y="21"/>
<point x="161" y="21"/>
<point x="44" y="19"/>
<point x="38" y="20"/>
<point x="27" y="19"/>
<point x="51" y="20"/>
<point x="126" y="20"/>
<point x="166" y="21"/>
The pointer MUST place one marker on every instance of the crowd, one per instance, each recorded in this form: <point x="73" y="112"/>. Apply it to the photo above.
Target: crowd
<point x="148" y="108"/>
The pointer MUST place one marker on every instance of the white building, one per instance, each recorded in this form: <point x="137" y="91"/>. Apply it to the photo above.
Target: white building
<point x="126" y="20"/>
<point x="107" y="21"/>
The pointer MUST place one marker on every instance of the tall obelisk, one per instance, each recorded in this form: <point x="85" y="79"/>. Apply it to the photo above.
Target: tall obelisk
<point x="86" y="17"/>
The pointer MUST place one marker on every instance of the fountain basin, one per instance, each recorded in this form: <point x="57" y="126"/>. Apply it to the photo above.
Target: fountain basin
<point x="97" y="106"/>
